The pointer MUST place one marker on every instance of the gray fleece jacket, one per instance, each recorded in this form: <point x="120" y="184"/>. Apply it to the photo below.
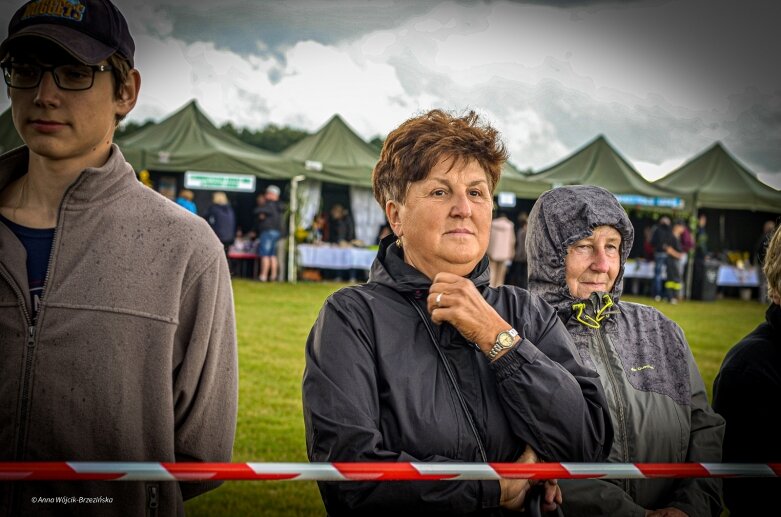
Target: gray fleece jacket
<point x="133" y="356"/>
<point x="656" y="396"/>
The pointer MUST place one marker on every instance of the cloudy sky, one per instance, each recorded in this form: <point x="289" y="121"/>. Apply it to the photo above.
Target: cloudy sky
<point x="662" y="80"/>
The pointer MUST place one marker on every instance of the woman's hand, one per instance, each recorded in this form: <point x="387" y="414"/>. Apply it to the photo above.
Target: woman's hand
<point x="454" y="299"/>
<point x="514" y="491"/>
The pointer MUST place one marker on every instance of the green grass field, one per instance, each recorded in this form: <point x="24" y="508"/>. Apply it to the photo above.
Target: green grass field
<point x="273" y="322"/>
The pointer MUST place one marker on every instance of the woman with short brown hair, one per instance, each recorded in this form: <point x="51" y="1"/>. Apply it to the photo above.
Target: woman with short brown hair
<point x="426" y="362"/>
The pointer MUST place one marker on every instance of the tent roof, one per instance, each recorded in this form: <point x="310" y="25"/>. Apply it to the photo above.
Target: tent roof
<point x="715" y="179"/>
<point x="512" y="180"/>
<point x="9" y="138"/>
<point x="188" y="140"/>
<point x="345" y="157"/>
<point x="598" y="163"/>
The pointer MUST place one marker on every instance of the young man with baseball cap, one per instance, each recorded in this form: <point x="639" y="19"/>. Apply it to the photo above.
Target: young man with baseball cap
<point x="117" y="334"/>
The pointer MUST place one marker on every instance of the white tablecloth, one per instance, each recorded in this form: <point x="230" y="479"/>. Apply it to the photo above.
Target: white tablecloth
<point x="728" y="276"/>
<point x="329" y="257"/>
<point x="638" y="269"/>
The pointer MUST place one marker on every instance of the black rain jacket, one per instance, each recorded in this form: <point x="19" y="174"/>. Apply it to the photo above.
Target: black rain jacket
<point x="376" y="389"/>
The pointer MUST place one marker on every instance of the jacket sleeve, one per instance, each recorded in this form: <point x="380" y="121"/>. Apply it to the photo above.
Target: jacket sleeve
<point x="553" y="402"/>
<point x="741" y="393"/>
<point x="205" y="371"/>
<point x="700" y="496"/>
<point x="342" y="415"/>
<point x="597" y="497"/>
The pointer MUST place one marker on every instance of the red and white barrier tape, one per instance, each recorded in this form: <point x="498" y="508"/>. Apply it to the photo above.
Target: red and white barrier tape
<point x="148" y="471"/>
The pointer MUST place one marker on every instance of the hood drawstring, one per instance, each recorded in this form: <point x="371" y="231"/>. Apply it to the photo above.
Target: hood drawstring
<point x="586" y="319"/>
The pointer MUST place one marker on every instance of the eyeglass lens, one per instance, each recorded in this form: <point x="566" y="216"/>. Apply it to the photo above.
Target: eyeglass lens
<point x="67" y="77"/>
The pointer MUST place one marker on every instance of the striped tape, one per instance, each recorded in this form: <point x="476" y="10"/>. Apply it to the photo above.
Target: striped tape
<point x="152" y="471"/>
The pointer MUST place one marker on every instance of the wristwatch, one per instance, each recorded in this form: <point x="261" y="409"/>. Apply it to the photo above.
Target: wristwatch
<point x="504" y="340"/>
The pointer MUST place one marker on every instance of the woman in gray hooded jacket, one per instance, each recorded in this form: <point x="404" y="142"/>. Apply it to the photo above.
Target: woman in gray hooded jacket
<point x="579" y="238"/>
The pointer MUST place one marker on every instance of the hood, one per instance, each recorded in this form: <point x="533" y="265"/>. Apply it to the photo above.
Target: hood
<point x="389" y="269"/>
<point x="561" y="217"/>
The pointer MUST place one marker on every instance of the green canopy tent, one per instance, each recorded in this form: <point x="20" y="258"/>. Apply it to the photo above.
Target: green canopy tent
<point x="520" y="184"/>
<point x="598" y="163"/>
<point x="335" y="154"/>
<point x="9" y="138"/>
<point x="715" y="179"/>
<point x="188" y="141"/>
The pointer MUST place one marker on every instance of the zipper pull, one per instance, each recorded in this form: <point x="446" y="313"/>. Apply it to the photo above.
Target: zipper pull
<point x="152" y="492"/>
<point x="31" y="335"/>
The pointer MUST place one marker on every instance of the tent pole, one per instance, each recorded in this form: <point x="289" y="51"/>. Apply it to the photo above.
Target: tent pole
<point x="291" y="238"/>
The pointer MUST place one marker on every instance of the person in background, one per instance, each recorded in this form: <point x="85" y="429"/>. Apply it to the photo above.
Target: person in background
<point x="687" y="243"/>
<point x="186" y="200"/>
<point x="518" y="275"/>
<point x="746" y="393"/>
<point x="673" y="283"/>
<point x="241" y="243"/>
<point x="260" y="200"/>
<point x="270" y="217"/>
<point x="660" y="240"/>
<point x="341" y="228"/>
<point x="222" y="219"/>
<point x="501" y="247"/>
<point x="116" y="313"/>
<point x="701" y="238"/>
<point x="578" y="242"/>
<point x="700" y="256"/>
<point x="318" y="228"/>
<point x="760" y="249"/>
<point x="341" y="231"/>
<point x="424" y="363"/>
<point x="251" y="239"/>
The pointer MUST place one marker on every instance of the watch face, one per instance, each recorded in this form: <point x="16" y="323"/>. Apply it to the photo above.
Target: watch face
<point x="505" y="339"/>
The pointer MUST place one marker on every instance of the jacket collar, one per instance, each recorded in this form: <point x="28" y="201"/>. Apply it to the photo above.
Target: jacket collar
<point x="593" y="312"/>
<point x="94" y="185"/>
<point x="773" y="317"/>
<point x="389" y="269"/>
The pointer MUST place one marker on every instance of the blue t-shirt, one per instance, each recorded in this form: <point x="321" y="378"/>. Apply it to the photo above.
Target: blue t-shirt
<point x="38" y="244"/>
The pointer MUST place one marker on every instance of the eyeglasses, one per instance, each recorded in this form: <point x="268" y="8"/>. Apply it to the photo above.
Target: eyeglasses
<point x="67" y="77"/>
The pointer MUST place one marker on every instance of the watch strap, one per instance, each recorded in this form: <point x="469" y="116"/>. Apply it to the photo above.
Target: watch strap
<point x="498" y="346"/>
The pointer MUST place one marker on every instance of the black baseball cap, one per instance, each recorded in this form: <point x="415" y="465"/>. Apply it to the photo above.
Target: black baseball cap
<point x="89" y="30"/>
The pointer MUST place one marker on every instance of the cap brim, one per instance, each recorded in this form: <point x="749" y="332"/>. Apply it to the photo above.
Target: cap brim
<point x="81" y="46"/>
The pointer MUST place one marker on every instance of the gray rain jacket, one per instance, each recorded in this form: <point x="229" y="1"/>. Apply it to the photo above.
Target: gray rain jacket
<point x="655" y="393"/>
<point x="375" y="389"/>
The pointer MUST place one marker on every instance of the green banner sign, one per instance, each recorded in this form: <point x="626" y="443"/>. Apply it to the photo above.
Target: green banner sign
<point x="219" y="181"/>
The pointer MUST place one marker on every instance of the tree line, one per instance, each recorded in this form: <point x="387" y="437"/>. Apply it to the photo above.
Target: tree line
<point x="272" y="137"/>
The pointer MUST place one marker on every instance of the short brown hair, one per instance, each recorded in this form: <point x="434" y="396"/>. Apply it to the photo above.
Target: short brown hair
<point x="419" y="144"/>
<point x="120" y="68"/>
<point x="772" y="267"/>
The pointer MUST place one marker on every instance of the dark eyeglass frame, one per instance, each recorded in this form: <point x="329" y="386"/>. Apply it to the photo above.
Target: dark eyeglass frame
<point x="8" y="65"/>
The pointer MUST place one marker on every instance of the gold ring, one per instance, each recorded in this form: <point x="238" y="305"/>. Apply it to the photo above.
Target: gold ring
<point x="439" y="298"/>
